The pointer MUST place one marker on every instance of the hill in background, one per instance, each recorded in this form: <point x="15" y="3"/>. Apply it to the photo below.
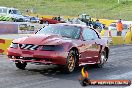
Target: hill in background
<point x="109" y="9"/>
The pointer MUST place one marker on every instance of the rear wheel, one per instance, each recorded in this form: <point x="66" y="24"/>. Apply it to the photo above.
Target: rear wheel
<point x="71" y="62"/>
<point x="21" y="65"/>
<point x="102" y="61"/>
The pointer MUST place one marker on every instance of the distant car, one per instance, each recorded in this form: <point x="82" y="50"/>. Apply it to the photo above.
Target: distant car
<point x="34" y="19"/>
<point x="65" y="45"/>
<point x="27" y="18"/>
<point x="31" y="19"/>
<point x="13" y="13"/>
<point x="54" y="20"/>
<point x="113" y="26"/>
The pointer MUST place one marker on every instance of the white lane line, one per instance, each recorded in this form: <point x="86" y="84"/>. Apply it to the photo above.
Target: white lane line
<point x="119" y="76"/>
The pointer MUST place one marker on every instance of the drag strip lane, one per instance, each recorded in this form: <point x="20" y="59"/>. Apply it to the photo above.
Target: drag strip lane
<point x="118" y="67"/>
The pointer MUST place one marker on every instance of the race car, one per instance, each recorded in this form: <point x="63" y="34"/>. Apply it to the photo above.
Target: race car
<point x="53" y="20"/>
<point x="65" y="45"/>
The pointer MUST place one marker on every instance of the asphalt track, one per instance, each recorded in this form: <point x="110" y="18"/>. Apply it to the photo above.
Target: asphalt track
<point x="43" y="76"/>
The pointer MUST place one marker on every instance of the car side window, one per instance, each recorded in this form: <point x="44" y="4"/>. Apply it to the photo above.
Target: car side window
<point x="89" y="34"/>
<point x="96" y="36"/>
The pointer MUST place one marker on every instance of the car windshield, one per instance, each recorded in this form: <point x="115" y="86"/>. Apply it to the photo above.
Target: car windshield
<point x="62" y="30"/>
<point x="15" y="12"/>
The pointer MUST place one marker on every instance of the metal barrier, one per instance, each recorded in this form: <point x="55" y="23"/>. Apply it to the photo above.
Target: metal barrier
<point x="128" y="38"/>
<point x="118" y="40"/>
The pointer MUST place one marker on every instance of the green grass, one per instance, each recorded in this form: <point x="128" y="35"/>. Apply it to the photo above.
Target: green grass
<point x="108" y="9"/>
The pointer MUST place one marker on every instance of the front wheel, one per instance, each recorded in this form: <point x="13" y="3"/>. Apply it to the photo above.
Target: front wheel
<point x="71" y="61"/>
<point x="102" y="60"/>
<point x="21" y="65"/>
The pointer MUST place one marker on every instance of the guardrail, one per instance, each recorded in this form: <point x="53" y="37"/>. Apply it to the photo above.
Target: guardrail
<point x="128" y="37"/>
<point x="118" y="40"/>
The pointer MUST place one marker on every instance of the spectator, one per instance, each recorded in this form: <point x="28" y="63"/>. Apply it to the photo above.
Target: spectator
<point x="98" y="25"/>
<point x="119" y="27"/>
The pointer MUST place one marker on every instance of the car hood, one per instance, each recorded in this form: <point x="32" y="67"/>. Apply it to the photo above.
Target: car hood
<point x="41" y="39"/>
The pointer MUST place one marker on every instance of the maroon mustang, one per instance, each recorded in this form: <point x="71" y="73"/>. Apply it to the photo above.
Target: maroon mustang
<point x="65" y="45"/>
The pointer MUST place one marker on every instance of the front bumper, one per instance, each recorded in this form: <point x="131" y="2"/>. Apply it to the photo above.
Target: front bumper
<point x="37" y="56"/>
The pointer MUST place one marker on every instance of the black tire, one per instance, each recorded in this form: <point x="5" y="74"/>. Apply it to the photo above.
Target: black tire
<point x="20" y="20"/>
<point x="71" y="62"/>
<point x="103" y="59"/>
<point x="21" y="65"/>
<point x="14" y="20"/>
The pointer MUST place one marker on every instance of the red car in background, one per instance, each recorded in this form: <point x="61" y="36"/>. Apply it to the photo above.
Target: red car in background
<point x="65" y="45"/>
<point x="54" y="20"/>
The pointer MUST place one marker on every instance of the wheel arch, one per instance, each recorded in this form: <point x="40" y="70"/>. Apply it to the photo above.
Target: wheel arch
<point x="107" y="52"/>
<point x="77" y="53"/>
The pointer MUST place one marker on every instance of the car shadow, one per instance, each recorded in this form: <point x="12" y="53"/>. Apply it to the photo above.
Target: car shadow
<point x="54" y="72"/>
<point x="57" y="72"/>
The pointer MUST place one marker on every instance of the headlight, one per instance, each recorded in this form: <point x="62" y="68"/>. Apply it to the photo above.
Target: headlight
<point x="52" y="48"/>
<point x="14" y="45"/>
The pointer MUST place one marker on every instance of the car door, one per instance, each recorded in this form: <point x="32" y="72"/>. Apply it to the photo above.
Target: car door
<point x="96" y="45"/>
<point x="90" y="53"/>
